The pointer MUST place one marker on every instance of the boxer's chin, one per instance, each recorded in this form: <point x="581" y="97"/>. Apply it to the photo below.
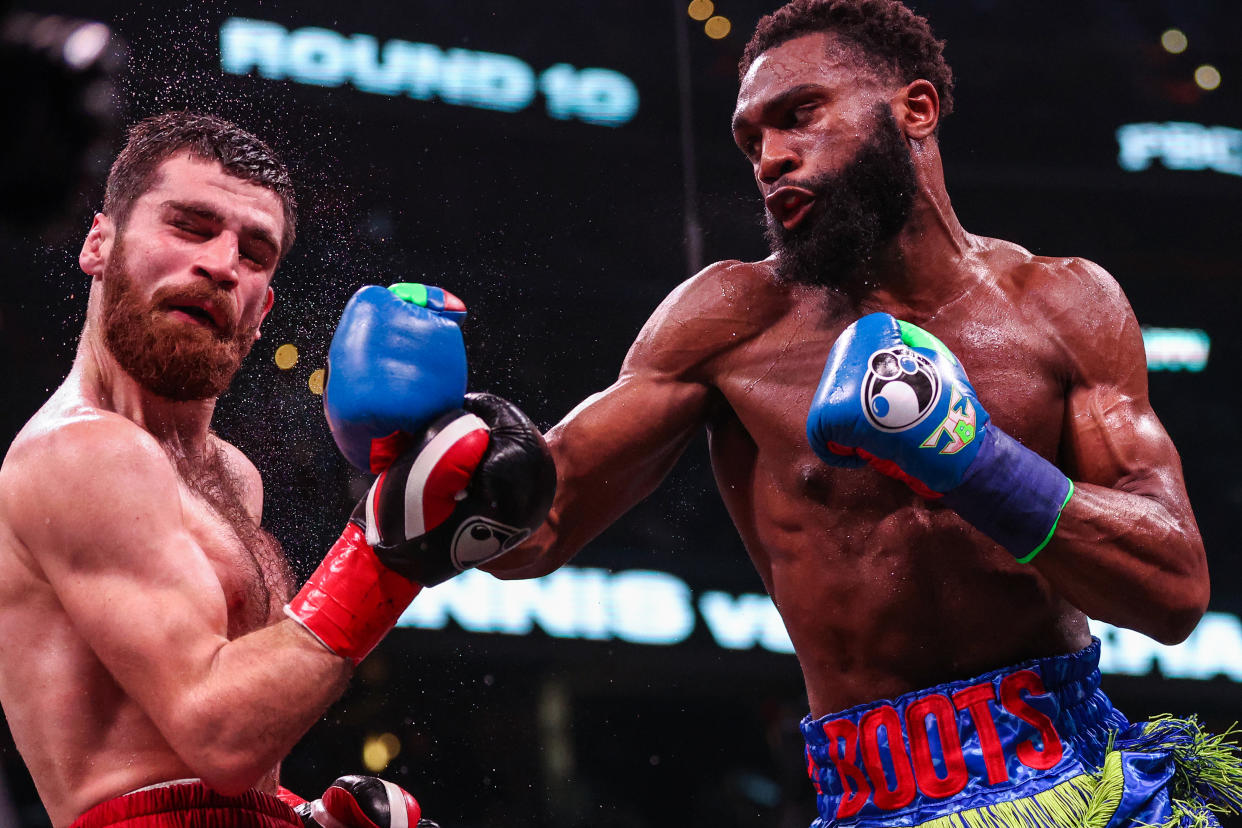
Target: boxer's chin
<point x="178" y="365"/>
<point x="173" y="359"/>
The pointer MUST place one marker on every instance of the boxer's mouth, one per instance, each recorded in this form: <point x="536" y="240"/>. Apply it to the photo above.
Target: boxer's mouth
<point x="207" y="314"/>
<point x="790" y="205"/>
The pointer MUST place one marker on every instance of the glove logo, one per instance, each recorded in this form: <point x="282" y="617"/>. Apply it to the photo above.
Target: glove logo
<point x="959" y="424"/>
<point x="900" y="388"/>
<point x="480" y="539"/>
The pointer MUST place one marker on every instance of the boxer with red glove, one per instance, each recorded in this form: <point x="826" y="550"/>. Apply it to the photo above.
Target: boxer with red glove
<point x="359" y="802"/>
<point x="477" y="482"/>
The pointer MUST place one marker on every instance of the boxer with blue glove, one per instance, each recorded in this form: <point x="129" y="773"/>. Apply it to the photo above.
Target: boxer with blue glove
<point x="462" y="478"/>
<point x="894" y="397"/>
<point x="397" y="361"/>
<point x="966" y="684"/>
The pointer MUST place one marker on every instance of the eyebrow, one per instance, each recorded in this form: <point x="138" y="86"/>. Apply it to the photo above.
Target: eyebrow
<point x="779" y="100"/>
<point x="209" y="213"/>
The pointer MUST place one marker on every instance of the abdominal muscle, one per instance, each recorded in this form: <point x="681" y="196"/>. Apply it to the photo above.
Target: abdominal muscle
<point x="883" y="593"/>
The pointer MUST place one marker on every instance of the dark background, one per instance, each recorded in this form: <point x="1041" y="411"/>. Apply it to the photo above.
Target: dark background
<point x="562" y="236"/>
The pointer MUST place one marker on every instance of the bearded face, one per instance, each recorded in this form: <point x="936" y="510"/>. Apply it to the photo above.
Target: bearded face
<point x="163" y="349"/>
<point x="857" y="210"/>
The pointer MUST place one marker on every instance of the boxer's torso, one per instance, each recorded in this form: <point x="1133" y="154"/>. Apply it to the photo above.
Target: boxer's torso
<point x="82" y="737"/>
<point x="882" y="591"/>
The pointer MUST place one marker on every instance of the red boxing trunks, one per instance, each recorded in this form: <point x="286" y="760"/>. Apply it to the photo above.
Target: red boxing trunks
<point x="189" y="804"/>
<point x="1037" y="745"/>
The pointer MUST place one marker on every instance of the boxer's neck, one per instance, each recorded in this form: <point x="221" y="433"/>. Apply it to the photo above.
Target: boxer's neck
<point x="925" y="266"/>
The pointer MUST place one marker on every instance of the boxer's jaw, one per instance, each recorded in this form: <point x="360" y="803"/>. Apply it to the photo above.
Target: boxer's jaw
<point x="858" y="210"/>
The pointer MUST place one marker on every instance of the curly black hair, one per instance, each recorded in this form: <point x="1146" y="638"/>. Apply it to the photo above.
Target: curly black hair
<point x="899" y="41"/>
<point x="153" y="140"/>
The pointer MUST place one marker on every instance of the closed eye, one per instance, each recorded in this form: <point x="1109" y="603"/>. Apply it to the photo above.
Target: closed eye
<point x="803" y="114"/>
<point x="258" y="258"/>
<point x="749" y="145"/>
<point x="191" y="228"/>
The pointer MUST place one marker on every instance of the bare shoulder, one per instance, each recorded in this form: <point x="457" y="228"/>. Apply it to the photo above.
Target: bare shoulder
<point x="1080" y="303"/>
<point x="71" y="467"/>
<point x="1064" y="281"/>
<point x="717" y="309"/>
<point x="81" y="440"/>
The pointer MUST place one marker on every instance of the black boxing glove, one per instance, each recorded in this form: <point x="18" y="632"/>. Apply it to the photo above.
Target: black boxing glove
<point x="474" y="486"/>
<point x="363" y="802"/>
<point x="508" y="495"/>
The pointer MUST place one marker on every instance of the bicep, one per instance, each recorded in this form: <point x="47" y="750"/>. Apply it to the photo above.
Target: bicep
<point x="1113" y="436"/>
<point x="614" y="448"/>
<point x="1116" y="440"/>
<point x="110" y="539"/>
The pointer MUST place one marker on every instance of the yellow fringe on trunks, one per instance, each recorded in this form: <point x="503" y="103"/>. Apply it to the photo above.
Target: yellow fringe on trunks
<point x="1207" y="781"/>
<point x="1063" y="805"/>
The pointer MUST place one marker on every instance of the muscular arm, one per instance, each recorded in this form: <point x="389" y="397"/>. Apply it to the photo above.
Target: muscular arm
<point x="1127" y="549"/>
<point x="100" y="511"/>
<point x="617" y="445"/>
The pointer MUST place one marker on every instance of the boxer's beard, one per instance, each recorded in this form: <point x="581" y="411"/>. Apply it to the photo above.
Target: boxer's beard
<point x="857" y="210"/>
<point x="171" y="358"/>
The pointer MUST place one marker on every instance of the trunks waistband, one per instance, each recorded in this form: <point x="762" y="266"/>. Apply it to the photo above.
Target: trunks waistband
<point x="1010" y="733"/>
<point x="189" y="802"/>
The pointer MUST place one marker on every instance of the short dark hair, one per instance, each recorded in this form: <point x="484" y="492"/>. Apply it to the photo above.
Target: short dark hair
<point x="899" y="41"/>
<point x="153" y="140"/>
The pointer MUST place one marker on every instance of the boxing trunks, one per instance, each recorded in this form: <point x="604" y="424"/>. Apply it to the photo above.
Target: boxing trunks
<point x="1034" y="745"/>
<point x="189" y="803"/>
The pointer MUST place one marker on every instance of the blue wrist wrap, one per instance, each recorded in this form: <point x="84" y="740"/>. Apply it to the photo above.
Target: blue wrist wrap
<point x="1011" y="494"/>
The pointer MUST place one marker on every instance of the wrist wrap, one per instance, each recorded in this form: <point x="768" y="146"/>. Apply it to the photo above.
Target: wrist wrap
<point x="352" y="600"/>
<point x="1011" y="494"/>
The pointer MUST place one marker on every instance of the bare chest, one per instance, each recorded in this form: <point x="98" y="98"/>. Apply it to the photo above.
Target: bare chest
<point x="769" y="383"/>
<point x="249" y="562"/>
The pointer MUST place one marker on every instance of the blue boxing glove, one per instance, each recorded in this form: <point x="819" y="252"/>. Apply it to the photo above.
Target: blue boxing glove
<point x="894" y="397"/>
<point x="397" y="361"/>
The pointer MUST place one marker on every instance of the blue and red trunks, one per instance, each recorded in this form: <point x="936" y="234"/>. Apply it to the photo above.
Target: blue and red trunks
<point x="1037" y="744"/>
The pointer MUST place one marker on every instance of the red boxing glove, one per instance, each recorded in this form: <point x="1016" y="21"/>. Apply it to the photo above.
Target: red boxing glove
<point x="479" y="482"/>
<point x="362" y="802"/>
<point x="353" y="599"/>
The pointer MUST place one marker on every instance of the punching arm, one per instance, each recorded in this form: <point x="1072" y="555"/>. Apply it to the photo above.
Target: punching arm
<point x="115" y="548"/>
<point x="614" y="448"/>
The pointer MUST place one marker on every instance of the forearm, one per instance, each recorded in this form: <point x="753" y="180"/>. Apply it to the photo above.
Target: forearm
<point x="1130" y="559"/>
<point x="593" y="489"/>
<point x="575" y="519"/>
<point x="259" y="694"/>
<point x="543" y="552"/>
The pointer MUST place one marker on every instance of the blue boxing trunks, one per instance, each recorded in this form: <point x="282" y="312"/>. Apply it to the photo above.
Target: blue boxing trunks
<point x="1034" y="745"/>
<point x="188" y="803"/>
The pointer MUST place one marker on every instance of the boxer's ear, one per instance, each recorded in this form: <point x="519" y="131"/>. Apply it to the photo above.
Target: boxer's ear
<point x="98" y="246"/>
<point x="267" y="308"/>
<point x="917" y="109"/>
